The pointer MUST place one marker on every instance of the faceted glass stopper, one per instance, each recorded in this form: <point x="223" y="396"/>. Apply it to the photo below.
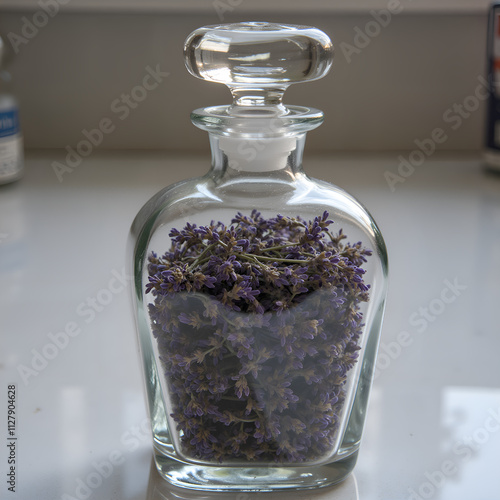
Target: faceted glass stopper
<point x="258" y="60"/>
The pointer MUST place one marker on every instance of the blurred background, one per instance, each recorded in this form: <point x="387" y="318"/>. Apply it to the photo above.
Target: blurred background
<point x="399" y="65"/>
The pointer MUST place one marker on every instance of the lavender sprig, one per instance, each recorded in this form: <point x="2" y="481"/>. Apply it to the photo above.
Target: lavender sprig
<point x="258" y="324"/>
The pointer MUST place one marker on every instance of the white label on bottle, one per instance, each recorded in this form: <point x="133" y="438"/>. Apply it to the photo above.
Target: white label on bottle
<point x="11" y="156"/>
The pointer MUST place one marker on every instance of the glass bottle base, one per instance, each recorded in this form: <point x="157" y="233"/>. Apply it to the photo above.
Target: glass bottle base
<point x="272" y="478"/>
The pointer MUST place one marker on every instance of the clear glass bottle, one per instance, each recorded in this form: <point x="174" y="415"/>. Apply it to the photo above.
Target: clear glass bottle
<point x="258" y="317"/>
<point x="11" y="140"/>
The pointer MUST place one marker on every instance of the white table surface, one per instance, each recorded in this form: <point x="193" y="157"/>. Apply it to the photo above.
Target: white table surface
<point x="433" y="424"/>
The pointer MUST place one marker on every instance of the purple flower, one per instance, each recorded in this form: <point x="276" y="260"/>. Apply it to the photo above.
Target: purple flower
<point x="258" y="325"/>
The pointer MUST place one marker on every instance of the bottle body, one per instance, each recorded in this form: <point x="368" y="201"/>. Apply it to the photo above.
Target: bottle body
<point x="11" y="141"/>
<point x="259" y="291"/>
<point x="258" y="376"/>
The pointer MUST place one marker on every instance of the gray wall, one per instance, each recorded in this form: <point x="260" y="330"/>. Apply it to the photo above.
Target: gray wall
<point x="394" y="91"/>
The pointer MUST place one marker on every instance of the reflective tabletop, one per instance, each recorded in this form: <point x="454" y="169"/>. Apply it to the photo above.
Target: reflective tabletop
<point x="73" y="419"/>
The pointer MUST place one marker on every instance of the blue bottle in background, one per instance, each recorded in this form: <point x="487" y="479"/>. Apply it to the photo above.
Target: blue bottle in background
<point x="11" y="139"/>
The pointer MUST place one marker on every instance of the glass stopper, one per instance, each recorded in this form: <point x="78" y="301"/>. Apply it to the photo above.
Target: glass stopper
<point x="258" y="60"/>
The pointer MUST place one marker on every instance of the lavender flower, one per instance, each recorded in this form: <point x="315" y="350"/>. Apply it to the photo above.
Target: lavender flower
<point x="258" y="325"/>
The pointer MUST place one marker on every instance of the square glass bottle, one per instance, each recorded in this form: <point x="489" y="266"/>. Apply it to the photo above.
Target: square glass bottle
<point x="259" y="291"/>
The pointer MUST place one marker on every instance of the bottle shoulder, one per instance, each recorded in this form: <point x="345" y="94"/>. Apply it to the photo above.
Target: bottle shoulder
<point x="338" y="197"/>
<point x="203" y="200"/>
<point x="298" y="195"/>
<point x="185" y="192"/>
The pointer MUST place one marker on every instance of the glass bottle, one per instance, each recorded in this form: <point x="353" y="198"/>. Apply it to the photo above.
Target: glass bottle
<point x="11" y="141"/>
<point x="258" y="317"/>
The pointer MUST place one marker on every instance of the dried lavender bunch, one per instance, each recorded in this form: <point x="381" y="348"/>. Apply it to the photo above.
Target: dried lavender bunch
<point x="257" y="326"/>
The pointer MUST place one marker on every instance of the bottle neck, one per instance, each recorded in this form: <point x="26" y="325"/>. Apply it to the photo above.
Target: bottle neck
<point x="266" y="156"/>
